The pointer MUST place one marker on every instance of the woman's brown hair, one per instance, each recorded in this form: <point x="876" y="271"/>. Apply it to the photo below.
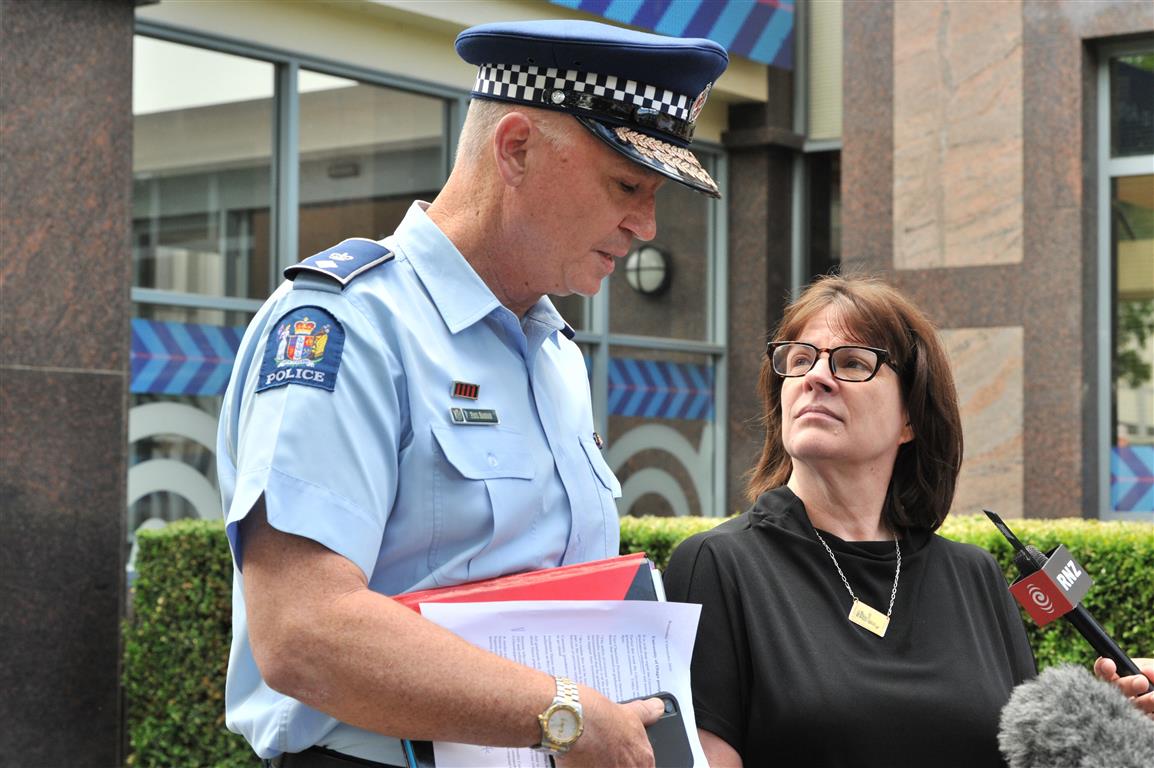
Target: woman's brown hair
<point x="878" y="315"/>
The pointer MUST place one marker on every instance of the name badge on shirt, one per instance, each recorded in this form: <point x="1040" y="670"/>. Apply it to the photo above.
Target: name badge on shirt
<point x="474" y="416"/>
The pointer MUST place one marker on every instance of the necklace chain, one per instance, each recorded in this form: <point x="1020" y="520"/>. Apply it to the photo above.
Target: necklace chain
<point x="844" y="580"/>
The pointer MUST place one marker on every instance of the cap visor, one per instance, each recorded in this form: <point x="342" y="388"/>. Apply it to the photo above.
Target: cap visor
<point x="670" y="160"/>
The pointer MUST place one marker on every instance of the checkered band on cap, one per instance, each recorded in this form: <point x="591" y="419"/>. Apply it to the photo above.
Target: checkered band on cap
<point x="605" y="95"/>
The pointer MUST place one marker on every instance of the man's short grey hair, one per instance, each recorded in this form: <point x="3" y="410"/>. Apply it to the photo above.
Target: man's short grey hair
<point x="484" y="114"/>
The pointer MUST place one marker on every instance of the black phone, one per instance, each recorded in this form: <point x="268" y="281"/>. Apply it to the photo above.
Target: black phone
<point x="668" y="736"/>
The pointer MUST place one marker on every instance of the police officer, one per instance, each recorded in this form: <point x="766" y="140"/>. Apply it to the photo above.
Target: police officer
<point x="413" y="413"/>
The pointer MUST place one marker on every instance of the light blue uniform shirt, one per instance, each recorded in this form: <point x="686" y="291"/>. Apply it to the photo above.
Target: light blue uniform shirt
<point x="364" y="457"/>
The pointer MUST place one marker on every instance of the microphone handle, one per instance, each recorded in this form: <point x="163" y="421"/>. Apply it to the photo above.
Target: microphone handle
<point x="1103" y="643"/>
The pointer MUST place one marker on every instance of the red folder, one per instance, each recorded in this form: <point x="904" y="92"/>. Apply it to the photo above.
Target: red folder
<point x="626" y="577"/>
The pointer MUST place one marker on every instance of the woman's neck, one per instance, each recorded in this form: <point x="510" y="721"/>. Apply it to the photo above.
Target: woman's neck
<point x="847" y="504"/>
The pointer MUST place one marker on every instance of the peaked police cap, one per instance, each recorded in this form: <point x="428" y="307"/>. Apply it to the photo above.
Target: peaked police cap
<point x="639" y="93"/>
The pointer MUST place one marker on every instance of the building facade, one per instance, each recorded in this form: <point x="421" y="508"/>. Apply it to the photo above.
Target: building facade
<point x="994" y="159"/>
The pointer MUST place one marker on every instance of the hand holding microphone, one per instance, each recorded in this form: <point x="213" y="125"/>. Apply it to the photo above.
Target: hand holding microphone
<point x="1107" y="671"/>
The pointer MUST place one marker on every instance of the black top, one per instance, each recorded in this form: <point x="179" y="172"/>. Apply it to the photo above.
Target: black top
<point x="781" y="674"/>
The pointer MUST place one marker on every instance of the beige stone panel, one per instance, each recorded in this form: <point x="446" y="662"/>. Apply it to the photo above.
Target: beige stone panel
<point x="988" y="365"/>
<point x="957" y="195"/>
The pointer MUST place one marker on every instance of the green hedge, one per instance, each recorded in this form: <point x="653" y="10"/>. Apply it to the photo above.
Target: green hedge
<point x="176" y="650"/>
<point x="176" y="644"/>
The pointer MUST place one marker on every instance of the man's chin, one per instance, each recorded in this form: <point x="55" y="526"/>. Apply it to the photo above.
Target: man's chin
<point x="587" y="291"/>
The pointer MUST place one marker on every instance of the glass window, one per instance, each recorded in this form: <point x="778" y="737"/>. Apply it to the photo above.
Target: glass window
<point x="824" y="208"/>
<point x="366" y="152"/>
<point x="680" y="310"/>
<point x="654" y="369"/>
<point x="181" y="358"/>
<point x="202" y="136"/>
<point x="1132" y="245"/>
<point x="1132" y="105"/>
<point x="204" y="202"/>
<point x="661" y="431"/>
<point x="1126" y="295"/>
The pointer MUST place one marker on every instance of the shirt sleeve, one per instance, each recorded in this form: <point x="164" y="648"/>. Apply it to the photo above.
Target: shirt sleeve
<point x="318" y="430"/>
<point x="720" y="671"/>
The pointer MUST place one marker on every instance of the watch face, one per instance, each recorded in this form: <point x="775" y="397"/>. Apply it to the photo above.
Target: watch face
<point x="562" y="725"/>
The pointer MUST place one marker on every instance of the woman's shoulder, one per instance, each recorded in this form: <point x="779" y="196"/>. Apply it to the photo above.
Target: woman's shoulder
<point x="965" y="556"/>
<point x="724" y="535"/>
<point x="707" y="559"/>
<point x="744" y="533"/>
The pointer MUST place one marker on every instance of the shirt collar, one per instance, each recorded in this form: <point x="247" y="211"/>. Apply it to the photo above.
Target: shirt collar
<point x="458" y="292"/>
<point x="546" y="314"/>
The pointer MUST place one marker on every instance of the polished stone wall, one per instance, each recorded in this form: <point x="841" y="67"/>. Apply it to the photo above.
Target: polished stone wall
<point x="988" y="370"/>
<point x="957" y="121"/>
<point x="65" y="129"/>
<point x="969" y="173"/>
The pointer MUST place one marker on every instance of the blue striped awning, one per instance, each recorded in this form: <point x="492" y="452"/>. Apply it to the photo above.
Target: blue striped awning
<point x="182" y="358"/>
<point x="657" y="389"/>
<point x="761" y="30"/>
<point x="1132" y="478"/>
<point x="196" y="359"/>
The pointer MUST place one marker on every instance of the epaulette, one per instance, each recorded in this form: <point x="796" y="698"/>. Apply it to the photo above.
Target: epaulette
<point x="343" y="261"/>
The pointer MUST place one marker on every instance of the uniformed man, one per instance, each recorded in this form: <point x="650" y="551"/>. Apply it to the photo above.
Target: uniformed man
<point x="413" y="413"/>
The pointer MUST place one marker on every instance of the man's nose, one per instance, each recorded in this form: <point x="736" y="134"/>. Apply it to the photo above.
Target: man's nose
<point x="642" y="220"/>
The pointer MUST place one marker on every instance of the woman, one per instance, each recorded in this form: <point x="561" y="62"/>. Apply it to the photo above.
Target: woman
<point x="836" y="627"/>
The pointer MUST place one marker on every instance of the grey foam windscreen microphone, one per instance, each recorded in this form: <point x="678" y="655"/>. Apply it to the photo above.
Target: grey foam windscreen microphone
<point x="1068" y="717"/>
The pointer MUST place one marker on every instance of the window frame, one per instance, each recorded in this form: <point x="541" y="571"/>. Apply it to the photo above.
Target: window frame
<point x="598" y="339"/>
<point x="284" y="215"/>
<point x="285" y="182"/>
<point x="1109" y="169"/>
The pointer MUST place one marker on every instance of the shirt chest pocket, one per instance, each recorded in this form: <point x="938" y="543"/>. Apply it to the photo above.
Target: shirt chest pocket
<point x="482" y="494"/>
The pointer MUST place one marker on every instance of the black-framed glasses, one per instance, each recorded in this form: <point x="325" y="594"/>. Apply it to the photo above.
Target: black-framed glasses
<point x="846" y="363"/>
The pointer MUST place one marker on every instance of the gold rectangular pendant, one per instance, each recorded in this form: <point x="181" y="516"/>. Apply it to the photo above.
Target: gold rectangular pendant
<point x="864" y="616"/>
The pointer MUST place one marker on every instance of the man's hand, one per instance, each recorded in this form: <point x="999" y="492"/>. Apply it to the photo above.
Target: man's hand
<point x="614" y="733"/>
<point x="1134" y="686"/>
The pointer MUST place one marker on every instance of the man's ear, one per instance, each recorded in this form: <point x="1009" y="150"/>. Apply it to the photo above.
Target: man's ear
<point x="510" y="147"/>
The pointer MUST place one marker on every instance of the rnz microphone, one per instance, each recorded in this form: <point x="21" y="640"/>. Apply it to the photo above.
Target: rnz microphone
<point x="1067" y="717"/>
<point x="1051" y="586"/>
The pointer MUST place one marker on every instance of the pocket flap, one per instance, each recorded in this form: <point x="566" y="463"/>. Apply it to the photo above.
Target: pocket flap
<point x="481" y="453"/>
<point x="602" y="470"/>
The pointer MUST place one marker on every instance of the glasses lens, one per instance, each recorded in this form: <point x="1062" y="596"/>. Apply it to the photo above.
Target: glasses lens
<point x="854" y="363"/>
<point x="793" y="359"/>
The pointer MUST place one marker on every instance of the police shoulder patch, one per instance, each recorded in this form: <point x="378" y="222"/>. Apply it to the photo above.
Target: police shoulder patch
<point x="343" y="261"/>
<point x="303" y="347"/>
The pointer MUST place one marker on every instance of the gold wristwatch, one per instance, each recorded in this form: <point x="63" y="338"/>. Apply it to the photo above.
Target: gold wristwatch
<point x="561" y="722"/>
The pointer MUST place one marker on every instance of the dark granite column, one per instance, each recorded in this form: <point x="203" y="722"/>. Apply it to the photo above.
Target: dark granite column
<point x="867" y="153"/>
<point x="762" y="147"/>
<point x="65" y="130"/>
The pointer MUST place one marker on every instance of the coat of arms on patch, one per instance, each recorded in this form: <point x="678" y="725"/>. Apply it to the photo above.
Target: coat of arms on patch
<point x="301" y="343"/>
<point x="304" y="347"/>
